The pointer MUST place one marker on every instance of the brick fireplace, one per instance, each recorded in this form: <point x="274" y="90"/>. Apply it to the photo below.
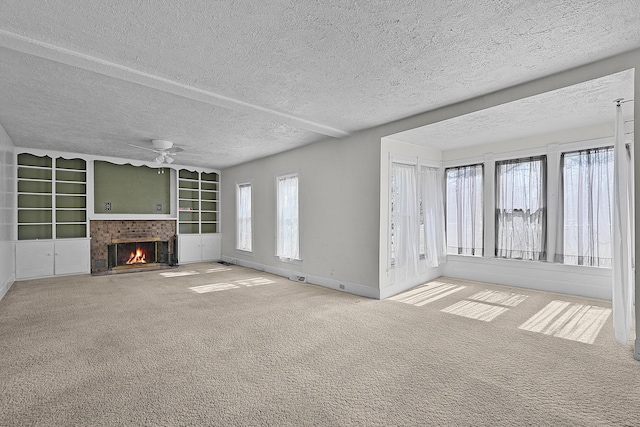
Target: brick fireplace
<point x="107" y="232"/>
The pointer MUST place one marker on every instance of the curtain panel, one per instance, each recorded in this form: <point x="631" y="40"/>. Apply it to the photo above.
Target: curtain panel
<point x="288" y="239"/>
<point x="243" y="226"/>
<point x="586" y="208"/>
<point x="432" y="207"/>
<point x="623" y="232"/>
<point x="464" y="210"/>
<point x="405" y="221"/>
<point x="521" y="208"/>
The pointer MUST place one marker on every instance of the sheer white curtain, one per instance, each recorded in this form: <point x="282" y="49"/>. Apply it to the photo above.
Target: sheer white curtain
<point x="244" y="217"/>
<point x="623" y="275"/>
<point x="586" y="208"/>
<point x="405" y="221"/>
<point x="464" y="215"/>
<point x="288" y="241"/>
<point x="432" y="199"/>
<point x="521" y="208"/>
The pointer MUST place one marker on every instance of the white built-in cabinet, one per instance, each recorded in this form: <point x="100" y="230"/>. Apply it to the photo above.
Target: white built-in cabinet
<point x="199" y="237"/>
<point x="44" y="258"/>
<point x="52" y="216"/>
<point x="199" y="247"/>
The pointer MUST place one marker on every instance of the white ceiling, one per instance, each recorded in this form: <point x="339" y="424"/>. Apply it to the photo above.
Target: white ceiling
<point x="230" y="81"/>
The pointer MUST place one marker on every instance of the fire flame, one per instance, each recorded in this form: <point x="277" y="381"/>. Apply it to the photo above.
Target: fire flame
<point x="137" y="258"/>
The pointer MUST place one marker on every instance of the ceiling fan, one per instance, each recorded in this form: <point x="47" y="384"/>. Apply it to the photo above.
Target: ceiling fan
<point x="164" y="150"/>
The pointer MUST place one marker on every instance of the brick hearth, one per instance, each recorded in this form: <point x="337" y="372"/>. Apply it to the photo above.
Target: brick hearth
<point x="102" y="232"/>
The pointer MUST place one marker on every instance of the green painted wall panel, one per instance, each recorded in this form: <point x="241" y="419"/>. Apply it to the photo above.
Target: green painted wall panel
<point x="130" y="189"/>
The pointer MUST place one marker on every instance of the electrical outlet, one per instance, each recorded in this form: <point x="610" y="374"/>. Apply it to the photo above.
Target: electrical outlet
<point x="159" y="207"/>
<point x="341" y="286"/>
<point x="107" y="206"/>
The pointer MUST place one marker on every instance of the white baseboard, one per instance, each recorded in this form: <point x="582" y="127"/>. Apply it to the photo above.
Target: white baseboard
<point x="396" y="288"/>
<point x="583" y="281"/>
<point x="339" y="285"/>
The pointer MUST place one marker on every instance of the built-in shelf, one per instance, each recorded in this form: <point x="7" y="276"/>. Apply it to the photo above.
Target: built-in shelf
<point x="198" y="202"/>
<point x="52" y="201"/>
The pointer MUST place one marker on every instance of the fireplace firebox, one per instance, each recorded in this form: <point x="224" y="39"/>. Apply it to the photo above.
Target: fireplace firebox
<point x="135" y="253"/>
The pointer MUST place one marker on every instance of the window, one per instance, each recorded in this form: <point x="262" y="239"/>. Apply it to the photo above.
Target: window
<point x="586" y="202"/>
<point x="288" y="234"/>
<point x="464" y="215"/>
<point x="243" y="210"/>
<point x="521" y="208"/>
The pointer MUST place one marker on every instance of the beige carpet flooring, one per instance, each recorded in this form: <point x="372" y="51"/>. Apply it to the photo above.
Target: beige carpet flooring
<point x="206" y="344"/>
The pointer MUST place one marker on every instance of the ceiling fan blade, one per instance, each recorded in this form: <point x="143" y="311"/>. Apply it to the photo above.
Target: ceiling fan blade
<point x="144" y="148"/>
<point x="176" y="150"/>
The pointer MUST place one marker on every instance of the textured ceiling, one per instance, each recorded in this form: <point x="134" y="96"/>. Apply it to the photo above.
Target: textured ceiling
<point x="572" y="107"/>
<point x="232" y="81"/>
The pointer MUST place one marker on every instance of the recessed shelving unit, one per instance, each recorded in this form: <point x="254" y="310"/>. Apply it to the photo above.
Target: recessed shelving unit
<point x="198" y="202"/>
<point x="52" y="201"/>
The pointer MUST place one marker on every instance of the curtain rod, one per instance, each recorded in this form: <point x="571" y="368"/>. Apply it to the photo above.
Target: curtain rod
<point x="619" y="101"/>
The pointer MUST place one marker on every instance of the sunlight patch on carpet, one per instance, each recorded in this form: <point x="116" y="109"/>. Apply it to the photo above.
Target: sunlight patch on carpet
<point x="256" y="281"/>
<point x="179" y="273"/>
<point x="217" y="269"/>
<point x="213" y="288"/>
<point x="574" y="322"/>
<point x="426" y="294"/>
<point x="247" y="283"/>
<point x="500" y="298"/>
<point x="493" y="304"/>
<point x="475" y="310"/>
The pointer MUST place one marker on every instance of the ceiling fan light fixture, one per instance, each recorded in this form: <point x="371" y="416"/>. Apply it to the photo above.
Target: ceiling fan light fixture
<point x="161" y="144"/>
<point x="159" y="158"/>
<point x="168" y="159"/>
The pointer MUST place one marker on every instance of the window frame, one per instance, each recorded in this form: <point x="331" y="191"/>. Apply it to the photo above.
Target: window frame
<point x="239" y="187"/>
<point x="446" y="208"/>
<point x="278" y="253"/>
<point x="544" y="188"/>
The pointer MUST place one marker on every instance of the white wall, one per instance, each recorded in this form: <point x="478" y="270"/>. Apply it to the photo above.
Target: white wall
<point x="7" y="212"/>
<point x="339" y="187"/>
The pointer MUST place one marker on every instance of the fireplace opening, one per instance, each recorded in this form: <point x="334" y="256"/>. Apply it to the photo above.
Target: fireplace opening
<point x="131" y="254"/>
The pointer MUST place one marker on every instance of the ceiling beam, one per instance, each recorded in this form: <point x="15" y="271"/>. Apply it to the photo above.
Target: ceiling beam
<point x="71" y="58"/>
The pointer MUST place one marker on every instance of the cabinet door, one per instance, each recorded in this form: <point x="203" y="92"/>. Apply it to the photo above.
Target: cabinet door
<point x="189" y="248"/>
<point x="211" y="247"/>
<point x="34" y="259"/>
<point x="72" y="256"/>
